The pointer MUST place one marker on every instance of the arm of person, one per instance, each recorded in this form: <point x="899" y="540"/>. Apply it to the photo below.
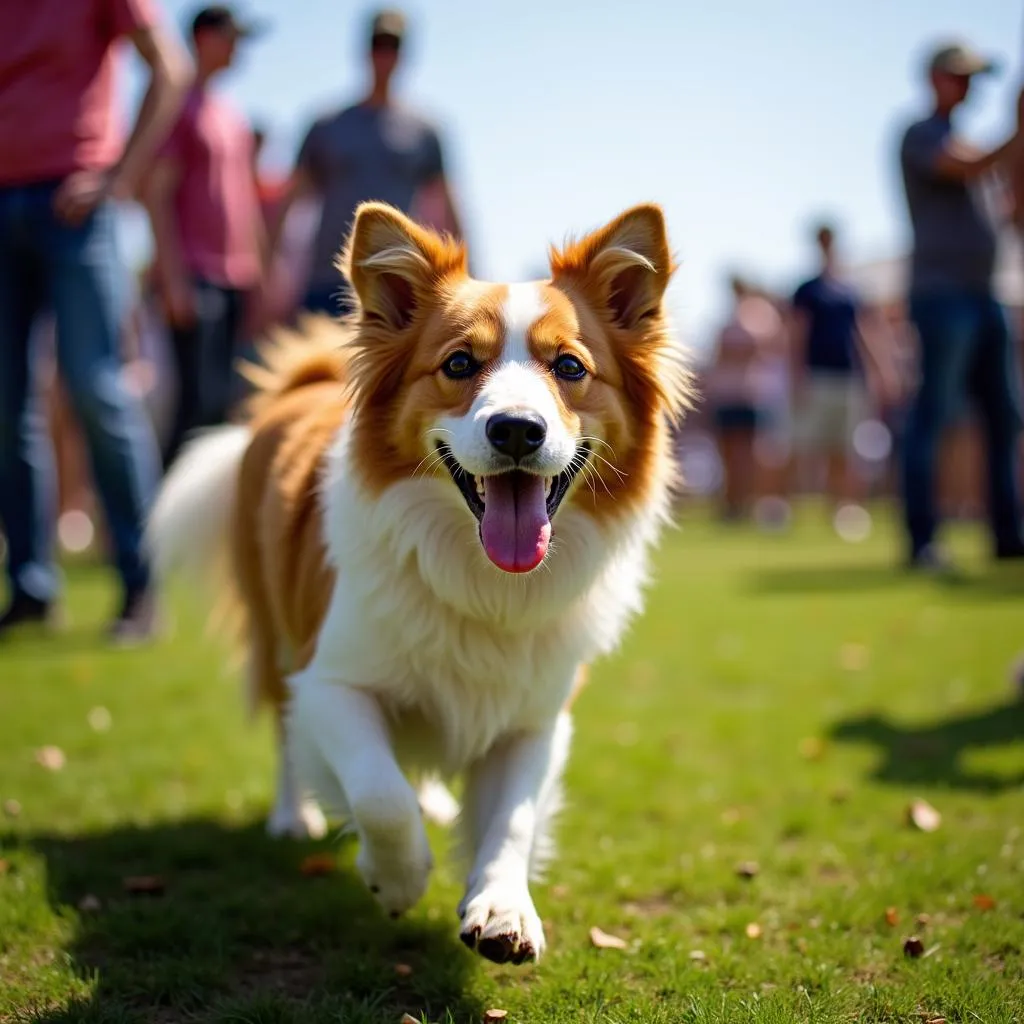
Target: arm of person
<point x="798" y="331"/>
<point x="436" y="201"/>
<point x="878" y="355"/>
<point x="174" y="282"/>
<point x="953" y="160"/>
<point x="300" y="186"/>
<point x="169" y="78"/>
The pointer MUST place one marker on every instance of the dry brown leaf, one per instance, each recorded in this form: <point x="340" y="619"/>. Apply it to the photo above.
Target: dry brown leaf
<point x="144" y="885"/>
<point x="753" y="930"/>
<point x="913" y="947"/>
<point x="403" y="970"/>
<point x="493" y="1016"/>
<point x="317" y="864"/>
<point x="51" y="758"/>
<point x="936" y="1020"/>
<point x="984" y="902"/>
<point x="854" y="657"/>
<point x="812" y="748"/>
<point x="923" y="816"/>
<point x="748" y="869"/>
<point x="892" y="916"/>
<point x="602" y="940"/>
<point x="89" y="903"/>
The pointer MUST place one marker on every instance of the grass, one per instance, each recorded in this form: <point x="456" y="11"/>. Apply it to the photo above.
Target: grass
<point x="782" y="701"/>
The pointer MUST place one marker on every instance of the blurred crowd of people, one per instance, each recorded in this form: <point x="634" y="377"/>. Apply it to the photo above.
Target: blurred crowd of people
<point x="102" y="377"/>
<point x="817" y="385"/>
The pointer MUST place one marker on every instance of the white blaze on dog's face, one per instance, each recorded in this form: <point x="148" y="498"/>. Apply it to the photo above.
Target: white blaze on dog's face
<point x="526" y="396"/>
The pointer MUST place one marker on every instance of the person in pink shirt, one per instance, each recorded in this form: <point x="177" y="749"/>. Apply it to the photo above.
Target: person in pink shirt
<point x="208" y="229"/>
<point x="63" y="165"/>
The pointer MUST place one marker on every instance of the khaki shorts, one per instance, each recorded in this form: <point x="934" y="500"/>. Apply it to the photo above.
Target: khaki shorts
<point x="828" y="411"/>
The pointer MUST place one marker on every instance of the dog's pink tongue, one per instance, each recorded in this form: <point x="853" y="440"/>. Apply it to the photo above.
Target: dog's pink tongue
<point x="515" y="529"/>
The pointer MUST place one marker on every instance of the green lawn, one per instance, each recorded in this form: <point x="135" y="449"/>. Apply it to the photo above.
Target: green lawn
<point x="783" y="701"/>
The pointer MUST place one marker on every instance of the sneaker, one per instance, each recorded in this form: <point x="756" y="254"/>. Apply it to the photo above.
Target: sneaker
<point x="137" y="621"/>
<point x="26" y="610"/>
<point x="931" y="560"/>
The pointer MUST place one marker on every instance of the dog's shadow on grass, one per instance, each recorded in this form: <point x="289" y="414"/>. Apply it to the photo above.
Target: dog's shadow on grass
<point x="227" y="924"/>
<point x="934" y="754"/>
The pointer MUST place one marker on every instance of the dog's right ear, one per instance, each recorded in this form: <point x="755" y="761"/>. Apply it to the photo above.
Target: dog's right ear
<point x="395" y="266"/>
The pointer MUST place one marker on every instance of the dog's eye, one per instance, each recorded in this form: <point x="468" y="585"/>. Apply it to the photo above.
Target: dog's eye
<point x="569" y="368"/>
<point x="459" y="365"/>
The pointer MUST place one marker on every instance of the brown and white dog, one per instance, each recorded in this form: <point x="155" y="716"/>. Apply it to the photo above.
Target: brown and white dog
<point x="437" y="515"/>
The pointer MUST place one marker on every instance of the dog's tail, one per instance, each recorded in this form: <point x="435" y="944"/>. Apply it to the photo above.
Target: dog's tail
<point x="189" y="526"/>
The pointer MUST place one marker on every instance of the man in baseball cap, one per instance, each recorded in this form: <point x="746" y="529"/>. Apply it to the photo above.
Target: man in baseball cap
<point x="377" y="148"/>
<point x="221" y="18"/>
<point x="964" y="336"/>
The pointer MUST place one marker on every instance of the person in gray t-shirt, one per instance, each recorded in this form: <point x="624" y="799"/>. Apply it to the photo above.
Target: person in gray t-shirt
<point x="376" y="149"/>
<point x="965" y="342"/>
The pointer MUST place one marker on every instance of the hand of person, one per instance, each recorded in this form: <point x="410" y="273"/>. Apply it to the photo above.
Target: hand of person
<point x="179" y="303"/>
<point x="79" y="194"/>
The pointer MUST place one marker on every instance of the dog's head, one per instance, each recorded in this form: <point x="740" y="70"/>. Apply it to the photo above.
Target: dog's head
<point x="525" y="397"/>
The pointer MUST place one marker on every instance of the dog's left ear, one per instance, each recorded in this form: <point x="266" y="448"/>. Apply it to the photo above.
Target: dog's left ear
<point x="624" y="268"/>
<point x="395" y="266"/>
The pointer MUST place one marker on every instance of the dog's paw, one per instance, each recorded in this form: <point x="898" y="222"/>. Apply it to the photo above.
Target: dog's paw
<point x="395" y="864"/>
<point x="304" y="821"/>
<point x="502" y="925"/>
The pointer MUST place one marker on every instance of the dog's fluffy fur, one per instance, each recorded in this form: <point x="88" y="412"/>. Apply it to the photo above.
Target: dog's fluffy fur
<point x="414" y="600"/>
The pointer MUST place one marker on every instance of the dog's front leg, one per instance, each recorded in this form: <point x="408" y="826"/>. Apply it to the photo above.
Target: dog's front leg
<point x="511" y="793"/>
<point x="343" y="728"/>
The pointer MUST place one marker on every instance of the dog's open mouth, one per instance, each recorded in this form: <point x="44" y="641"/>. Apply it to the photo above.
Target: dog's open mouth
<point x="514" y="509"/>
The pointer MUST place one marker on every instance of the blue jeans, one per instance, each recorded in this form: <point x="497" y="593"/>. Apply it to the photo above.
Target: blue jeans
<point x="77" y="273"/>
<point x="966" y="348"/>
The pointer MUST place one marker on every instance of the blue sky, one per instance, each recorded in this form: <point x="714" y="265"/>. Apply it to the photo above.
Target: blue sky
<point x="558" y="113"/>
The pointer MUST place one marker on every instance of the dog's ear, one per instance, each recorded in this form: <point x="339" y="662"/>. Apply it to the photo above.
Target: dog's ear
<point x="623" y="268"/>
<point x="395" y="266"/>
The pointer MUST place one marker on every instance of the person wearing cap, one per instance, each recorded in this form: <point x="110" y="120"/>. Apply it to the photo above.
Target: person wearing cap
<point x="376" y="149"/>
<point x="965" y="342"/>
<point x="208" y="230"/>
<point x="64" y="165"/>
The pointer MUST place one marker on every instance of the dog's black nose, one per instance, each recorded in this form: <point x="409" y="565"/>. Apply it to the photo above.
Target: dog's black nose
<point x="516" y="434"/>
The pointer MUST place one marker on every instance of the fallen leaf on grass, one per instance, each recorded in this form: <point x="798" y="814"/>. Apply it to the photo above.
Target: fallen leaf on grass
<point x="89" y="903"/>
<point x="493" y="1016"/>
<point x="923" y="816"/>
<point x="913" y="947"/>
<point x="403" y="970"/>
<point x="408" y="1018"/>
<point x="317" y="864"/>
<point x="936" y="1020"/>
<point x="51" y="758"/>
<point x="812" y="748"/>
<point x="5" y="866"/>
<point x="602" y="940"/>
<point x="144" y="885"/>
<point x="892" y="916"/>
<point x="984" y="902"/>
<point x="853" y="657"/>
<point x="753" y="930"/>
<point x="748" y="869"/>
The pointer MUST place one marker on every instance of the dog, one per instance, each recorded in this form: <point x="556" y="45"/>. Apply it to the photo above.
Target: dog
<point x="437" y="514"/>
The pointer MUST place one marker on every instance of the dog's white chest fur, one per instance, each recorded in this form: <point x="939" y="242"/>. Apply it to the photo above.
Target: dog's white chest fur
<point x="457" y="651"/>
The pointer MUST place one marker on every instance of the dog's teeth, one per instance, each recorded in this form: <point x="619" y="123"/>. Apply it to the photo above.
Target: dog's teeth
<point x="478" y="482"/>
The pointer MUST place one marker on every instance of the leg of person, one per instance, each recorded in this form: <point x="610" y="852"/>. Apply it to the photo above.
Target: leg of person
<point x="27" y="482"/>
<point x="947" y="328"/>
<point x="995" y="382"/>
<point x="89" y="293"/>
<point x="184" y="352"/>
<point x="217" y="347"/>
